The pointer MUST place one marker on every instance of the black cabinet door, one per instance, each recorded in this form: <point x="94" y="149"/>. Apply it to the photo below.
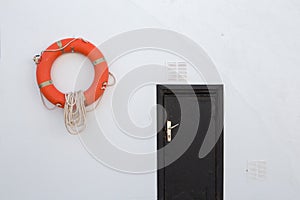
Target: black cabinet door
<point x="193" y="116"/>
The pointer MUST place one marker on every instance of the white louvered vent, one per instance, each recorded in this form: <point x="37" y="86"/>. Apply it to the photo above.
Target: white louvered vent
<point x="257" y="169"/>
<point x="177" y="71"/>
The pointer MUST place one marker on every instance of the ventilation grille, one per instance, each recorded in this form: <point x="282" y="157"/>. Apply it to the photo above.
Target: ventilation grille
<point x="257" y="169"/>
<point x="177" y="71"/>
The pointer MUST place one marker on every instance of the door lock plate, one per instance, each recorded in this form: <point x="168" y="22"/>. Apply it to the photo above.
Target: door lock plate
<point x="169" y="130"/>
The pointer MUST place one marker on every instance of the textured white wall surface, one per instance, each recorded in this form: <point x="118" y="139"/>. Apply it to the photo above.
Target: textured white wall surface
<point x="254" y="44"/>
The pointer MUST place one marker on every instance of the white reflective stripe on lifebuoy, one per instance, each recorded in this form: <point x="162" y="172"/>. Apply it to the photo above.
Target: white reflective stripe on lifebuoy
<point x="46" y="83"/>
<point x="59" y="44"/>
<point x="98" y="61"/>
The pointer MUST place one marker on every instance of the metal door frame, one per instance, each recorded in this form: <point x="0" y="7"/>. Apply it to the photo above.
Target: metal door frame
<point x="162" y="90"/>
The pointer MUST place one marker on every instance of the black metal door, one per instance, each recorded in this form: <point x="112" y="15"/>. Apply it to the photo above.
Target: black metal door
<point x="191" y="114"/>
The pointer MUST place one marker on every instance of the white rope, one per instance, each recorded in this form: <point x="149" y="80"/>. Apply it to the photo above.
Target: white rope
<point x="62" y="48"/>
<point x="37" y="58"/>
<point x="75" y="112"/>
<point x="45" y="105"/>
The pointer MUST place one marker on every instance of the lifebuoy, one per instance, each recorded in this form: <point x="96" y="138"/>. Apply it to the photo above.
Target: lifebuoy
<point x="71" y="45"/>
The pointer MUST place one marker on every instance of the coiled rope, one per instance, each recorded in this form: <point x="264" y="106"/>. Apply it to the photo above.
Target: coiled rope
<point x="75" y="112"/>
<point x="75" y="109"/>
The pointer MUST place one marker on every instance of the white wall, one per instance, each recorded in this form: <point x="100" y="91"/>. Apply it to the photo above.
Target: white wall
<point x="254" y="44"/>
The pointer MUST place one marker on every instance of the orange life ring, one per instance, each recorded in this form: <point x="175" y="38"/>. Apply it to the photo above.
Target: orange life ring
<point x="70" y="45"/>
